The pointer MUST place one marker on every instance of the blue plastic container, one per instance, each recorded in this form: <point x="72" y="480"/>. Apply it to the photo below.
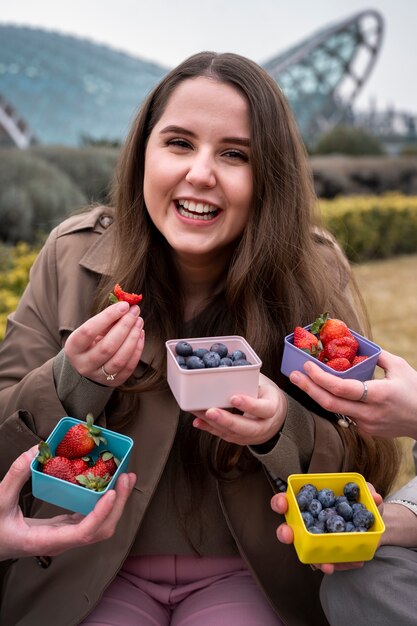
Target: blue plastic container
<point x="294" y="359"/>
<point x="68" y="495"/>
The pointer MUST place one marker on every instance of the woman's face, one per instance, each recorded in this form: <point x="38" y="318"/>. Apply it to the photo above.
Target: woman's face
<point x="198" y="175"/>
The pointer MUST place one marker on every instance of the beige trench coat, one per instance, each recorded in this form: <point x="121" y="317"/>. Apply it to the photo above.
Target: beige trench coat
<point x="54" y="304"/>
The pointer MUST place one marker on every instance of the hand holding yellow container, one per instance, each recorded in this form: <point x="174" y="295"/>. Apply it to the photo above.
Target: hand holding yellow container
<point x="332" y="547"/>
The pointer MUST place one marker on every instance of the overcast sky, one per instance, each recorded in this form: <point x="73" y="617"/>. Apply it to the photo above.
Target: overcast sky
<point x="167" y="31"/>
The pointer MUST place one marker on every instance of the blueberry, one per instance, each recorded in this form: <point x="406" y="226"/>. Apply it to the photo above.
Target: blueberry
<point x="308" y="519"/>
<point x="211" y="359"/>
<point x="183" y="348"/>
<point x="303" y="500"/>
<point x="316" y="530"/>
<point x="226" y="362"/>
<point x="195" y="363"/>
<point x="315" y="507"/>
<point x="200" y="352"/>
<point x="340" y="499"/>
<point x="350" y="527"/>
<point x="240" y="362"/>
<point x="237" y="354"/>
<point x="363" y="518"/>
<point x="326" y="497"/>
<point x="357" y="506"/>
<point x="351" y="491"/>
<point x="326" y="513"/>
<point x="220" y="348"/>
<point x="336" y="524"/>
<point x="309" y="488"/>
<point x="181" y="362"/>
<point x="344" y="510"/>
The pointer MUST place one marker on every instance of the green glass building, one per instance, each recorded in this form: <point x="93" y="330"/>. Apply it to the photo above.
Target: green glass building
<point x="59" y="89"/>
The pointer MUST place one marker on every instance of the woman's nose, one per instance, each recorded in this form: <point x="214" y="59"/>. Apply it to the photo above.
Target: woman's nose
<point x="201" y="171"/>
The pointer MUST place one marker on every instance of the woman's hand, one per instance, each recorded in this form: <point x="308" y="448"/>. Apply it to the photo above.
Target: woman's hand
<point x="279" y="504"/>
<point x="108" y="346"/>
<point x="262" y="417"/>
<point x="390" y="408"/>
<point x="21" y="536"/>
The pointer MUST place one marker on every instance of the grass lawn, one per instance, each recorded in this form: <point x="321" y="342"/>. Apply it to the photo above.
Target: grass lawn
<point x="389" y="289"/>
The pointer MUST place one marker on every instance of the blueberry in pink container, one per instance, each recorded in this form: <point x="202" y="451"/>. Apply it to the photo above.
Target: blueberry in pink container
<point x="294" y="358"/>
<point x="212" y="385"/>
<point x="69" y="495"/>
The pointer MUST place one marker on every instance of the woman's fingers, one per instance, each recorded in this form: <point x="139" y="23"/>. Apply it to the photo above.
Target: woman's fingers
<point x="84" y="336"/>
<point x="108" y="345"/>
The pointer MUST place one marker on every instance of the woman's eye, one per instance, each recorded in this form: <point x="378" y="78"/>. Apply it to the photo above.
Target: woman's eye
<point x="179" y="143"/>
<point x="236" y="154"/>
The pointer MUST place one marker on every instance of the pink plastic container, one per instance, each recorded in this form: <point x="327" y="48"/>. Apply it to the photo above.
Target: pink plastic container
<point x="198" y="390"/>
<point x="294" y="359"/>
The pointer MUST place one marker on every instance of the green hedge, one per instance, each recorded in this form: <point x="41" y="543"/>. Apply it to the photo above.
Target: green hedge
<point x="373" y="227"/>
<point x="41" y="186"/>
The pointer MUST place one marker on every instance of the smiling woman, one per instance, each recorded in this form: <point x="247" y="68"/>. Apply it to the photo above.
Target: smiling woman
<point x="212" y="220"/>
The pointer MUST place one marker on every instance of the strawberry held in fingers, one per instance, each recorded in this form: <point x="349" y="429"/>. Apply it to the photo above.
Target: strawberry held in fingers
<point x="80" y="440"/>
<point x="119" y="295"/>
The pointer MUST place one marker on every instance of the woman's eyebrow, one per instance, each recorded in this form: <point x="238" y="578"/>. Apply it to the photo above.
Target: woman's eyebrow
<point x="242" y="141"/>
<point x="177" y="129"/>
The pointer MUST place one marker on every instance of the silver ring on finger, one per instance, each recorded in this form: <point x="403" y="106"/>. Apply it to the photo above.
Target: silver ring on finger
<point x="107" y="375"/>
<point x="365" y="392"/>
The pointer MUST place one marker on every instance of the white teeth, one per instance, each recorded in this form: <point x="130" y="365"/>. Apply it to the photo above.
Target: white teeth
<point x="203" y="216"/>
<point x="197" y="207"/>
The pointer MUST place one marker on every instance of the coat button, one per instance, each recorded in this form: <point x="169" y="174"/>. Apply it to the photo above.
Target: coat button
<point x="43" y="561"/>
<point x="105" y="220"/>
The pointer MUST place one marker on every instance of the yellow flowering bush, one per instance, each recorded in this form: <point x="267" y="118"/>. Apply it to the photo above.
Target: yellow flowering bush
<point x="15" y="263"/>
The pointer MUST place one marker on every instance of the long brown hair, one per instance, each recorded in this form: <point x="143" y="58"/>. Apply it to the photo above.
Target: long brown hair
<point x="279" y="274"/>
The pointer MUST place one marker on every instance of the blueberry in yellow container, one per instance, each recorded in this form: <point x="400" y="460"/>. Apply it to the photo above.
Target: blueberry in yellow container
<point x="354" y="543"/>
<point x="72" y="496"/>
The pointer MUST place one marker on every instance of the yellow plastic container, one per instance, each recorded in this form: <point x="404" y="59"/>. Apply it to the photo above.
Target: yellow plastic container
<point x="332" y="547"/>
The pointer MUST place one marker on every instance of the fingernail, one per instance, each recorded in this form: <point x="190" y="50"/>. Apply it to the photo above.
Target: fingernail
<point x="134" y="310"/>
<point x="122" y="307"/>
<point x="236" y="401"/>
<point x="294" y="377"/>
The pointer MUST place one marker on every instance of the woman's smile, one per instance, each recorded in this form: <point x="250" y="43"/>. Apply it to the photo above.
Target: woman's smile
<point x="195" y="210"/>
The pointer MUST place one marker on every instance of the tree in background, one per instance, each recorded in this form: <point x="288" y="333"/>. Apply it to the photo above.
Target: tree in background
<point x="349" y="140"/>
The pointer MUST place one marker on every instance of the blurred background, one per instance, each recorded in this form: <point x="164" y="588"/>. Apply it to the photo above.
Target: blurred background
<point x="73" y="74"/>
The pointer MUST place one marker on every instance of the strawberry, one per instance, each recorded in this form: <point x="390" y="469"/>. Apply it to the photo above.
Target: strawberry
<point x="339" y="364"/>
<point x="80" y="440"/>
<point x="305" y="340"/>
<point x="79" y="466"/>
<point x="329" y="328"/>
<point x="57" y="466"/>
<point x="119" y="295"/>
<point x="359" y="359"/>
<point x="345" y="347"/>
<point x="96" y="478"/>
<point x="110" y="461"/>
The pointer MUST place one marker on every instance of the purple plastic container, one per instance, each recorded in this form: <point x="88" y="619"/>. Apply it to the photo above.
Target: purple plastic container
<point x="294" y="358"/>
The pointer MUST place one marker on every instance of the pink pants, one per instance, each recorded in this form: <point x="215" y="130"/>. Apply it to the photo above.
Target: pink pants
<point x="183" y="591"/>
